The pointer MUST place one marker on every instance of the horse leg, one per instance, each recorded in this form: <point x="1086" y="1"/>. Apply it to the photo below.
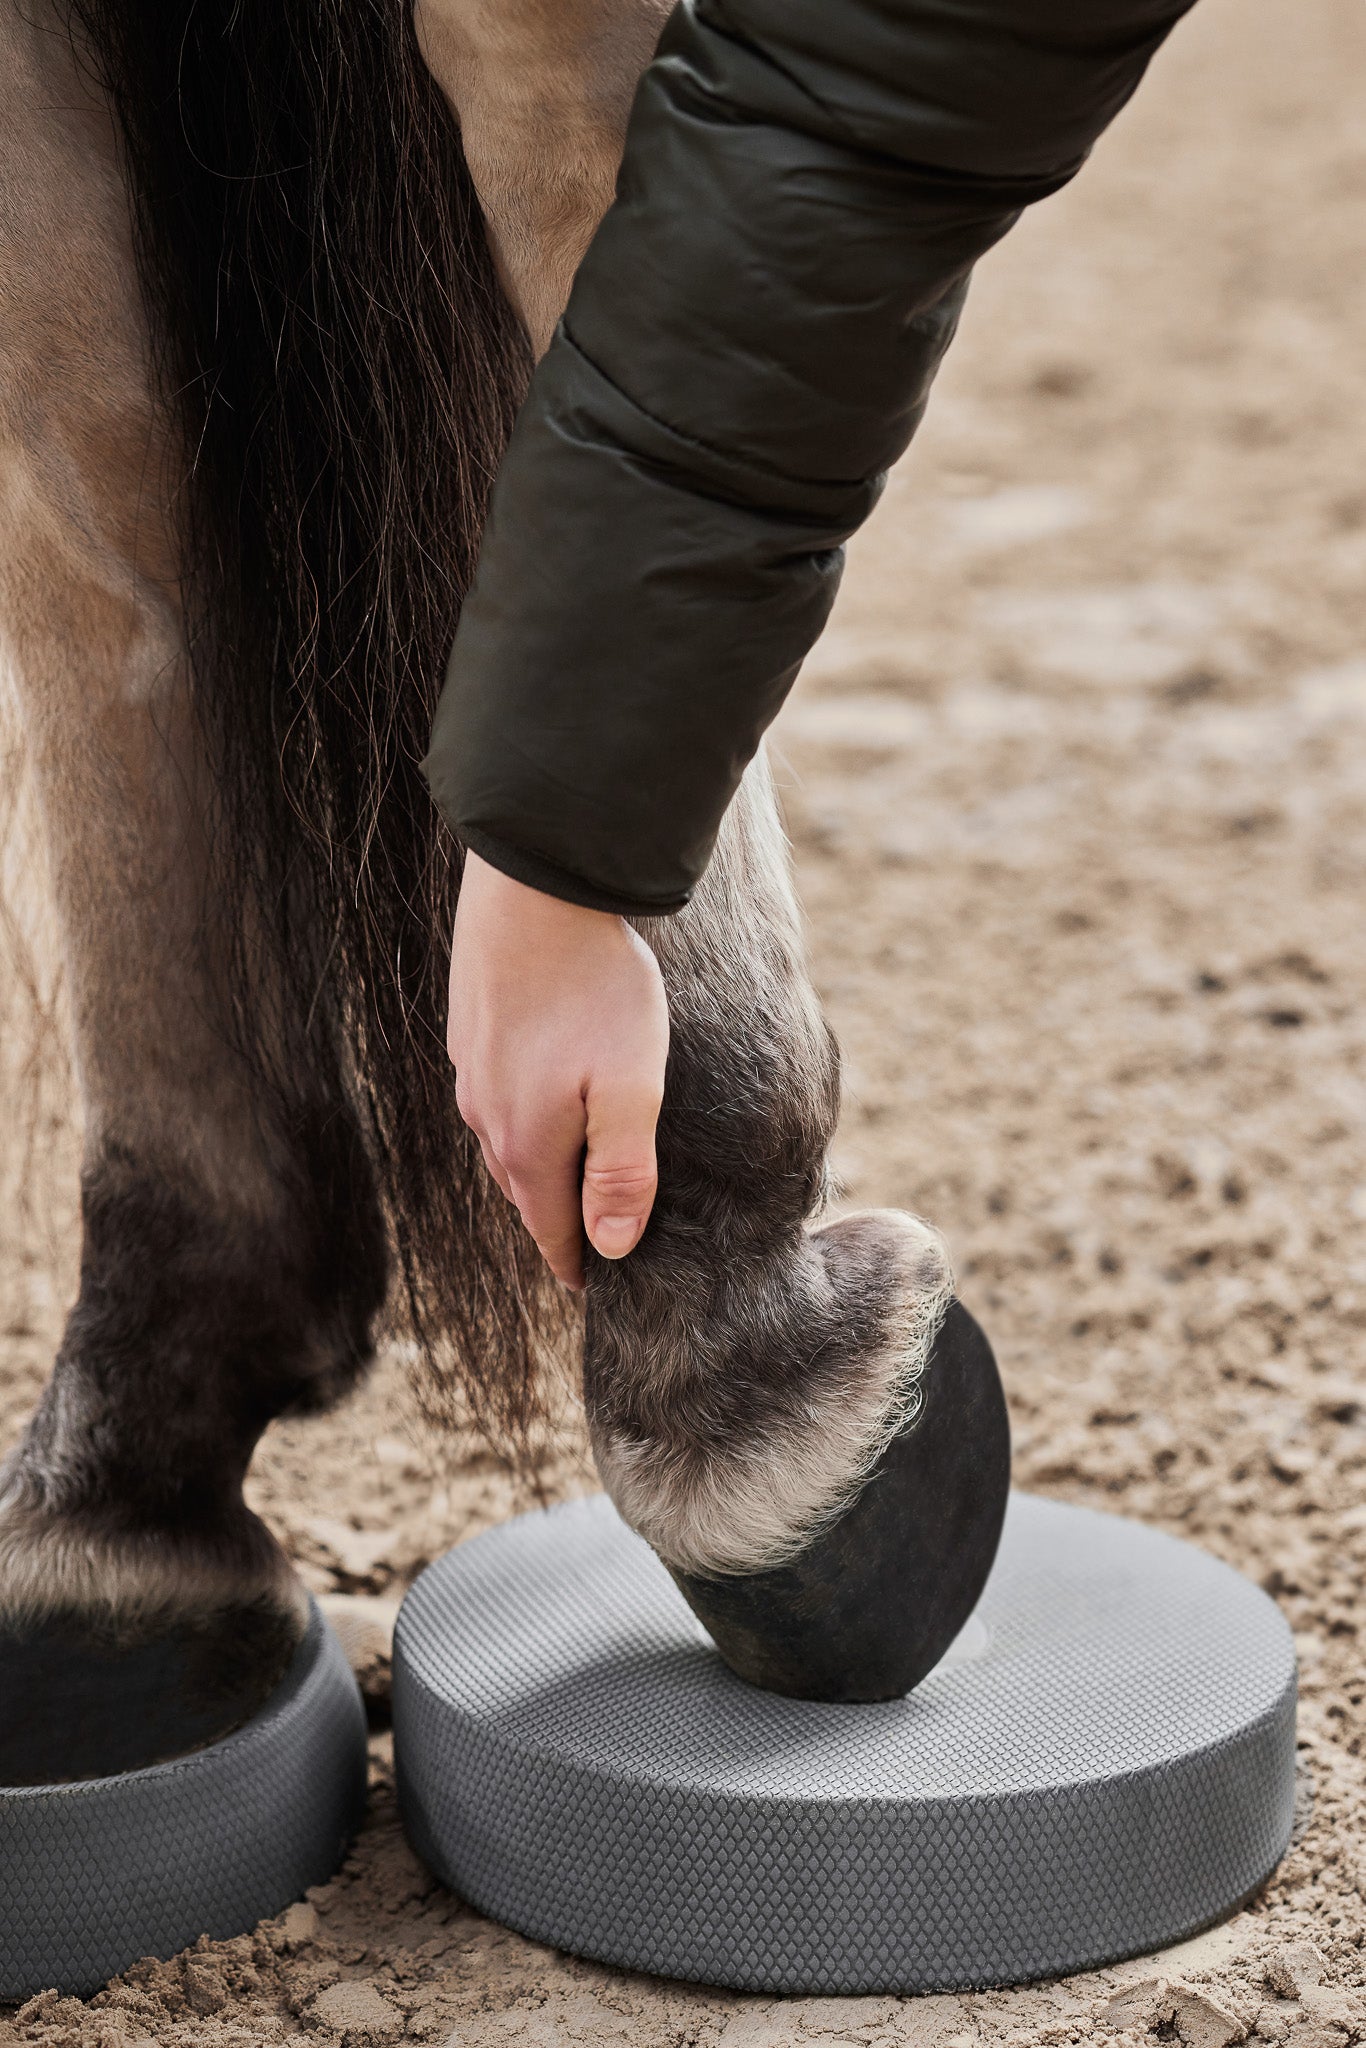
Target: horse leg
<point x="796" y="1418"/>
<point x="541" y="90"/>
<point x="232" y="1257"/>
<point x="797" y="1415"/>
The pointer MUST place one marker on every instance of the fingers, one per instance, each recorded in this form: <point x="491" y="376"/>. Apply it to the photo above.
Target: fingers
<point x="470" y="1116"/>
<point x="559" y="1035"/>
<point x="560" y="1192"/>
<point x="545" y="1187"/>
<point x="538" y="1170"/>
<point x="620" y="1178"/>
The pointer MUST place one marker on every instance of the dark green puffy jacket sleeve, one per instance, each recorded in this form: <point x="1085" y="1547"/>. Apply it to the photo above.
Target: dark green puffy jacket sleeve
<point x="748" y="346"/>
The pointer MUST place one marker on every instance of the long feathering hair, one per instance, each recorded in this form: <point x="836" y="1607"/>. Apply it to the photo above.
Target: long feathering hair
<point x="345" y="371"/>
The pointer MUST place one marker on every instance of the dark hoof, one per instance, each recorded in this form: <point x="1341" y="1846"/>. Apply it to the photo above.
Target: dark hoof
<point x="77" y="1702"/>
<point x="870" y="1608"/>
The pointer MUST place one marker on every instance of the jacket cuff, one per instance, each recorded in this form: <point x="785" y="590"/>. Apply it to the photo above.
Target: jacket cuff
<point x="551" y="880"/>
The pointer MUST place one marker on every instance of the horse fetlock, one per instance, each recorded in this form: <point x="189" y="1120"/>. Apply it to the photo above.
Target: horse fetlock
<point x="122" y="1646"/>
<point x="735" y="1417"/>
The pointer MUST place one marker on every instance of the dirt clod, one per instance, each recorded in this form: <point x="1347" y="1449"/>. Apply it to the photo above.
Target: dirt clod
<point x="204" y="1988"/>
<point x="1330" y="2006"/>
<point x="1289" y="1970"/>
<point x="357" y="2012"/>
<point x="1201" y="2022"/>
<point x="1138" y="2005"/>
<point x="296" y="1927"/>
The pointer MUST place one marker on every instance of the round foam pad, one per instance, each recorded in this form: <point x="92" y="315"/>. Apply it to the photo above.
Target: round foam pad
<point x="96" y="1874"/>
<point x="1102" y="1764"/>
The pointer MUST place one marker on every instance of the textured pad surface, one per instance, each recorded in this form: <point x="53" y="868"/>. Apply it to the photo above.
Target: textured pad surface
<point x="94" y="1875"/>
<point x="1103" y="1764"/>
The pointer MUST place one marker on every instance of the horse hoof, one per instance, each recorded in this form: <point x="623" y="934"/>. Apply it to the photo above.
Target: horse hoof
<point x="95" y="1874"/>
<point x="79" y="1700"/>
<point x="871" y="1605"/>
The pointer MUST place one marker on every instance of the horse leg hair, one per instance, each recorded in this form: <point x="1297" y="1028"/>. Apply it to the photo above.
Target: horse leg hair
<point x="232" y="1256"/>
<point x="743" y="1367"/>
<point x="742" y="1371"/>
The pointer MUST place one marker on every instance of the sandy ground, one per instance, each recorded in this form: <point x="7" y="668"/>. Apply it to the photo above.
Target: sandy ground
<point x="1076" y="782"/>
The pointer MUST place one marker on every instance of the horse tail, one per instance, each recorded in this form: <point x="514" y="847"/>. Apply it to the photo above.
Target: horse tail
<point x="327" y="325"/>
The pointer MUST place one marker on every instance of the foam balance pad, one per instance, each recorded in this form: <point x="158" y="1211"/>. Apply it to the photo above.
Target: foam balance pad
<point x="1103" y="1763"/>
<point x="96" y="1874"/>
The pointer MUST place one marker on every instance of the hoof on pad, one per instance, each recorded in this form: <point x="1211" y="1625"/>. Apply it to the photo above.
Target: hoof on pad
<point x="875" y="1600"/>
<point x="1101" y="1765"/>
<point x="95" y="1874"/>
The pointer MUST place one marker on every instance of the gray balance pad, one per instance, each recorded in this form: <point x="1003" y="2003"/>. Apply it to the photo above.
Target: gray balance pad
<point x="94" y="1875"/>
<point x="1103" y="1764"/>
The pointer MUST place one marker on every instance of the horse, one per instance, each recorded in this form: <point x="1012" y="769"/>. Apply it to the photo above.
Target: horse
<point x="275" y="275"/>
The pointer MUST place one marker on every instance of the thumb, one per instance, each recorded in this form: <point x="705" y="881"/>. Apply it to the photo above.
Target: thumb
<point x="619" y="1173"/>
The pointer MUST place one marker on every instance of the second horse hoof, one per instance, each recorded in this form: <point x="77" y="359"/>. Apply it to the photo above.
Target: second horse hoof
<point x="95" y="1874"/>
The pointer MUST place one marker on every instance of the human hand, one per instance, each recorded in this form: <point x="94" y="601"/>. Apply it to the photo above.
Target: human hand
<point x="559" y="1030"/>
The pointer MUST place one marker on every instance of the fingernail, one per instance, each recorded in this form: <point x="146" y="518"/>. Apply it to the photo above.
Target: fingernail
<point x="615" y="1235"/>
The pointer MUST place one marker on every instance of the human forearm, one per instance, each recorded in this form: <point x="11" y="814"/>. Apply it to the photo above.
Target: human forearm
<point x="749" y="345"/>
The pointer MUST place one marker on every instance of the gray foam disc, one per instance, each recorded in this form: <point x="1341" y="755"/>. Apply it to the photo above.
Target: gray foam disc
<point x="1102" y="1764"/>
<point x="95" y="1875"/>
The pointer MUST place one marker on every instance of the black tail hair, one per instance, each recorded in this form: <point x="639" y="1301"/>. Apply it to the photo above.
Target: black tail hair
<point x="328" y="327"/>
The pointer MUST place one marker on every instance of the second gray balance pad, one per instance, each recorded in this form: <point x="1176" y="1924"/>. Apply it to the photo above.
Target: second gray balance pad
<point x="1103" y="1764"/>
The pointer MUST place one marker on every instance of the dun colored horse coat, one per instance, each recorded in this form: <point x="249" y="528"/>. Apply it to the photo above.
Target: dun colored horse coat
<point x="271" y="280"/>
